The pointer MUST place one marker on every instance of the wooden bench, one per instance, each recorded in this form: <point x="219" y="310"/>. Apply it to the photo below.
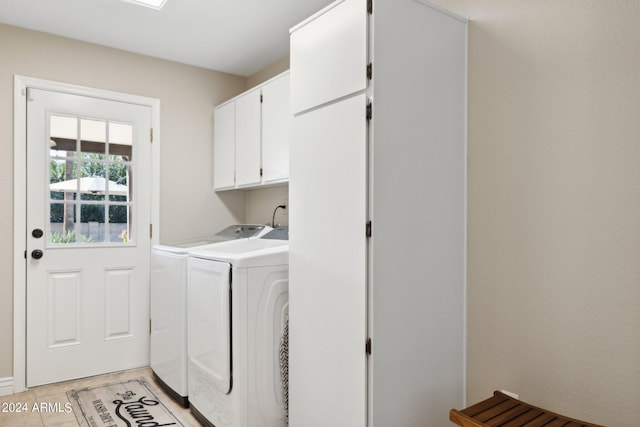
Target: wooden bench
<point x="501" y="410"/>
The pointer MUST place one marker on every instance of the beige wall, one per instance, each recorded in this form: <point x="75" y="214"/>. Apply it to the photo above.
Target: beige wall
<point x="189" y="206"/>
<point x="262" y="203"/>
<point x="554" y="204"/>
<point x="268" y="72"/>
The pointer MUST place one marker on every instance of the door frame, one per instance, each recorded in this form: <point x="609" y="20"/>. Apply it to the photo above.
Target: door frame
<point x="21" y="83"/>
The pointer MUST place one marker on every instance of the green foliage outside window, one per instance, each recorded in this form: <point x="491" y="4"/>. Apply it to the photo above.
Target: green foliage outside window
<point x="90" y="166"/>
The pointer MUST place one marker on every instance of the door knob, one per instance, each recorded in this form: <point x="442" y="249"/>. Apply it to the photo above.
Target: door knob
<point x="37" y="233"/>
<point x="37" y="254"/>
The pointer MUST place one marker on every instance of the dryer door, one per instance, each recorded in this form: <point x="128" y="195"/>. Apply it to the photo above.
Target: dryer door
<point x="209" y="323"/>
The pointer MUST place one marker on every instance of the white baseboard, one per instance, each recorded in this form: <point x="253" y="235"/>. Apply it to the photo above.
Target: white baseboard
<point x="6" y="386"/>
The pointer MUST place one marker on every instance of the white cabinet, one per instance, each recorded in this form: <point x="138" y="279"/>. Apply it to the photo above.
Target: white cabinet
<point x="329" y="53"/>
<point x="224" y="150"/>
<point x="378" y="237"/>
<point x="251" y="137"/>
<point x="276" y="129"/>
<point x="329" y="182"/>
<point x="248" y="131"/>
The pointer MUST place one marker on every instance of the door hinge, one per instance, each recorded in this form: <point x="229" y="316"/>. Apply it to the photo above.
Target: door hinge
<point x="260" y="171"/>
<point x="369" y="71"/>
<point x="369" y="111"/>
<point x="151" y="135"/>
<point x="368" y="346"/>
<point x="151" y="231"/>
<point x="369" y="7"/>
<point x="30" y="94"/>
<point x="368" y="229"/>
<point x="150" y="327"/>
<point x="261" y="98"/>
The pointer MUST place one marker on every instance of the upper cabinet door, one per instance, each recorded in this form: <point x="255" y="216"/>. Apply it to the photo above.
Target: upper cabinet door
<point x="329" y="55"/>
<point x="248" y="124"/>
<point x="224" y="146"/>
<point x="276" y="124"/>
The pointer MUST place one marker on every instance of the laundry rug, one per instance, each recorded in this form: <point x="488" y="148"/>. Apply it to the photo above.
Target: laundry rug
<point x="129" y="403"/>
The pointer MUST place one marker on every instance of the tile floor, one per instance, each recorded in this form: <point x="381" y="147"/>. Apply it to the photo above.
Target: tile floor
<point x="57" y="393"/>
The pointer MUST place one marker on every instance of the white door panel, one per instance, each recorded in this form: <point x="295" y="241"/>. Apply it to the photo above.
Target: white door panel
<point x="87" y="280"/>
<point x="328" y="294"/>
<point x="63" y="301"/>
<point x="119" y="284"/>
<point x="329" y="55"/>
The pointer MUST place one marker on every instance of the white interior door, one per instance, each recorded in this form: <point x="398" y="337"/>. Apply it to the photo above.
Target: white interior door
<point x="327" y="266"/>
<point x="88" y="240"/>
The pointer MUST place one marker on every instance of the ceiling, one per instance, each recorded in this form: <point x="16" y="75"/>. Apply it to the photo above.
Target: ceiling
<point x="234" y="36"/>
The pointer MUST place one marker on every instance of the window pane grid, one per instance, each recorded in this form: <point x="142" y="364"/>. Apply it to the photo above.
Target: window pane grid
<point x="90" y="199"/>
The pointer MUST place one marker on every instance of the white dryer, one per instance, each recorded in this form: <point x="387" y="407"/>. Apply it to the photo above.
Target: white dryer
<point x="168" y="340"/>
<point x="238" y="303"/>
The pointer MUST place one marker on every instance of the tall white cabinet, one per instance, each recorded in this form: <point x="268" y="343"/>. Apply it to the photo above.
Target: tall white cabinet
<point x="377" y="225"/>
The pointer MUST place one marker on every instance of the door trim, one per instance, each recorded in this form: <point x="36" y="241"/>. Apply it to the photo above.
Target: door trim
<point x="20" y="196"/>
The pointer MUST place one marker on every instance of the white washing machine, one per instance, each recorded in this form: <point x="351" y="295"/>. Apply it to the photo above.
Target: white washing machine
<point x="168" y="304"/>
<point x="238" y="304"/>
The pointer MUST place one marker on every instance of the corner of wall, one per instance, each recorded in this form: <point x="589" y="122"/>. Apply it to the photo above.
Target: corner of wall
<point x="268" y="72"/>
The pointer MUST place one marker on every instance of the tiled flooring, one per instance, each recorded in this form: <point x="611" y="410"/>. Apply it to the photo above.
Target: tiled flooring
<point x="57" y="393"/>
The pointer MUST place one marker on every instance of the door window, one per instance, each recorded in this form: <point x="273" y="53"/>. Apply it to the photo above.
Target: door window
<point x="91" y="201"/>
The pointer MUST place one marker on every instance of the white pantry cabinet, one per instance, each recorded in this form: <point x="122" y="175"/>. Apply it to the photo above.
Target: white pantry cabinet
<point x="378" y="234"/>
<point x="251" y="137"/>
